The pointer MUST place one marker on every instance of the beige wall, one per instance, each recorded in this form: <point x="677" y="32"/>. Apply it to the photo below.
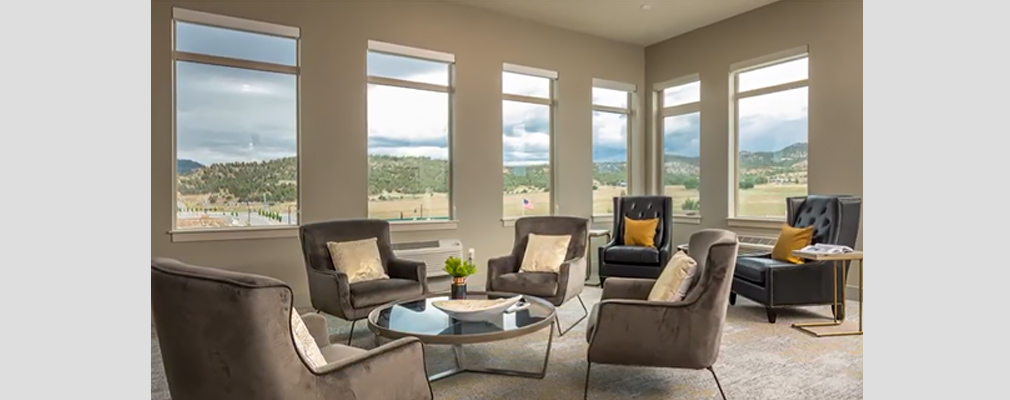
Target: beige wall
<point x="333" y="118"/>
<point x="833" y="32"/>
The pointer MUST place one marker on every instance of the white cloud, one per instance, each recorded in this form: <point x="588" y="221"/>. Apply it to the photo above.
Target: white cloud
<point x="439" y="153"/>
<point x="609" y="129"/>
<point x="407" y="114"/>
<point x="525" y="85"/>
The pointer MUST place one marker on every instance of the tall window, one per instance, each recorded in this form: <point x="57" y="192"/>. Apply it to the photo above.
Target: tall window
<point x="236" y="122"/>
<point x="770" y="105"/>
<point x="409" y="108"/>
<point x="527" y="108"/>
<point x="680" y="101"/>
<point x="611" y="112"/>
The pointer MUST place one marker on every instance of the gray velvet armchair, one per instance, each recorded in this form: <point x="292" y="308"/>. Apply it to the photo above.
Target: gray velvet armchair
<point x="227" y="336"/>
<point x="557" y="288"/>
<point x="626" y="329"/>
<point x="330" y="290"/>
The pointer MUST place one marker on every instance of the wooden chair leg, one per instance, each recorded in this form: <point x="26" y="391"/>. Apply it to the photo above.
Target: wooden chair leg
<point x="771" y="314"/>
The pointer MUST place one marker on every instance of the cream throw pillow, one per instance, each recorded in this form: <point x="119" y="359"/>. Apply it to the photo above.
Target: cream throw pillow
<point x="358" y="259"/>
<point x="545" y="253"/>
<point x="305" y="343"/>
<point x="675" y="279"/>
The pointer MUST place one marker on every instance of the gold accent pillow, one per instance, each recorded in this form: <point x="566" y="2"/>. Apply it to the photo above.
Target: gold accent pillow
<point x="305" y="343"/>
<point x="545" y="253"/>
<point x="640" y="232"/>
<point x="792" y="239"/>
<point x="675" y="279"/>
<point x="359" y="259"/>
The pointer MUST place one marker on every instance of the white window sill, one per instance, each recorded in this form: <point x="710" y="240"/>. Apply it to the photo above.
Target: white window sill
<point x="209" y="235"/>
<point x="758" y="223"/>
<point x="508" y="221"/>
<point x="413" y="226"/>
<point x="687" y="219"/>
<point x="603" y="219"/>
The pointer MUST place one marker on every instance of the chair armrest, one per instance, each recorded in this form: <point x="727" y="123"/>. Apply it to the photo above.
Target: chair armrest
<point x="571" y="278"/>
<point x="399" y="363"/>
<point x="409" y="269"/>
<point x="499" y="266"/>
<point x="316" y="324"/>
<point x="665" y="251"/>
<point x="806" y="283"/>
<point x="330" y="291"/>
<point x="629" y="332"/>
<point x="627" y="288"/>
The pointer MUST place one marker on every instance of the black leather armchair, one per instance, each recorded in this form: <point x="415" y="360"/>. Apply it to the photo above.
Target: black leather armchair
<point x="330" y="290"/>
<point x="616" y="259"/>
<point x="775" y="283"/>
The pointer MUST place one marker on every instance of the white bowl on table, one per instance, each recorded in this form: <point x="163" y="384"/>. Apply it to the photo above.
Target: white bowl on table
<point x="478" y="309"/>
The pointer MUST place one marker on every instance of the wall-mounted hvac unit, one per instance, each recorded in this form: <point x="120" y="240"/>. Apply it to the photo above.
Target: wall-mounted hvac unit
<point x="750" y="245"/>
<point x="432" y="252"/>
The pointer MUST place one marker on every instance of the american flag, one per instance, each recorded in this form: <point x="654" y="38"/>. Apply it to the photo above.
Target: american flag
<point x="527" y="204"/>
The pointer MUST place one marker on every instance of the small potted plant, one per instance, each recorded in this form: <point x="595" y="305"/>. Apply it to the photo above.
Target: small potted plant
<point x="459" y="269"/>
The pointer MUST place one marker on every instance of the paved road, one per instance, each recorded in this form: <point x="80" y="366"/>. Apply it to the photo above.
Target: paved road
<point x="243" y="218"/>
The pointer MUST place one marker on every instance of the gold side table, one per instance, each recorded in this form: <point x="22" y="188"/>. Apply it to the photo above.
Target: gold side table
<point x="835" y="259"/>
<point x="589" y="266"/>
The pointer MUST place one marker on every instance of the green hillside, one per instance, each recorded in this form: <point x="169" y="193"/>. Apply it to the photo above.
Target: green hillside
<point x="275" y="179"/>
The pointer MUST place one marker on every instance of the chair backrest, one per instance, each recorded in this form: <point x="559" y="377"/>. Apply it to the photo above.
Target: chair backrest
<point x="315" y="235"/>
<point x="835" y="218"/>
<point x="644" y="207"/>
<point x="577" y="227"/>
<point x="715" y="251"/>
<point x="224" y="335"/>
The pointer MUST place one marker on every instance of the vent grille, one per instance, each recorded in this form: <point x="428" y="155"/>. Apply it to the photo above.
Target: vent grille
<point x="432" y="253"/>
<point x="751" y="245"/>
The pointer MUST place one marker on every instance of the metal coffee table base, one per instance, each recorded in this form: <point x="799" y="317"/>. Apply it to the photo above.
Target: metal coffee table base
<point x="461" y="365"/>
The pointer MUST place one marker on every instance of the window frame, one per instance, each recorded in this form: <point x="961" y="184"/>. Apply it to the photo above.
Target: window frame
<point x="243" y="25"/>
<point x="664" y="112"/>
<point x="450" y="89"/>
<point x="551" y="103"/>
<point x="629" y="113"/>
<point x="736" y="69"/>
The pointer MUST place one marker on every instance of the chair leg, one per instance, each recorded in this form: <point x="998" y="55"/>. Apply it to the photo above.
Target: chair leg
<point x="557" y="320"/>
<point x="710" y="369"/>
<point x="350" y="335"/>
<point x="585" y="391"/>
<point x="771" y="314"/>
<point x="732" y="298"/>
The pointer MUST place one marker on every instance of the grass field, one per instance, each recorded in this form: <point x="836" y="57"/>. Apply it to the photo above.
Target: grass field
<point x="768" y="200"/>
<point x="762" y="201"/>
<point x="437" y="206"/>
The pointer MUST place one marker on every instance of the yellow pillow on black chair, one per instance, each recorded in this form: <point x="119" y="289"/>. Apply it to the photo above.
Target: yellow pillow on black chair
<point x="792" y="239"/>
<point x="640" y="232"/>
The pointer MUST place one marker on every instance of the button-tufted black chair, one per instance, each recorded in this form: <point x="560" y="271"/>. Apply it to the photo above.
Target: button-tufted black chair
<point x="616" y="259"/>
<point x="775" y="283"/>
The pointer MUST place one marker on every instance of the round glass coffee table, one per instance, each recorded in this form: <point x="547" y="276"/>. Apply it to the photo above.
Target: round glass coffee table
<point x="418" y="318"/>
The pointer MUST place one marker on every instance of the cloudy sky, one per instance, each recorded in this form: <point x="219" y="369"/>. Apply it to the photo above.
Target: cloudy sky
<point x="227" y="114"/>
<point x="767" y="123"/>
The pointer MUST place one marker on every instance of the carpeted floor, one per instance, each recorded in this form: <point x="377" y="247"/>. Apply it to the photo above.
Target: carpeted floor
<point x="758" y="361"/>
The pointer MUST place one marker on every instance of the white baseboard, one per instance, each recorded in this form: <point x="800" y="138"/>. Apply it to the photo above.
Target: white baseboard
<point x="852" y="293"/>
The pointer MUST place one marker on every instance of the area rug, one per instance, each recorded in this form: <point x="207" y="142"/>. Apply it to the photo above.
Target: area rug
<point x="758" y="360"/>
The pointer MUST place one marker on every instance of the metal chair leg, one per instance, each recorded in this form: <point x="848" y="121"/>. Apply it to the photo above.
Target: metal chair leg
<point x="350" y="335"/>
<point x="710" y="369"/>
<point x="585" y="392"/>
<point x="585" y="313"/>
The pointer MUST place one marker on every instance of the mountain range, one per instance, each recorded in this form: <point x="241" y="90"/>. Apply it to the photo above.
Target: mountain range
<point x="275" y="179"/>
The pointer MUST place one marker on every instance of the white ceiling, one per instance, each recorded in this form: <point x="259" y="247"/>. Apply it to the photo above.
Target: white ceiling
<point x="622" y="20"/>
